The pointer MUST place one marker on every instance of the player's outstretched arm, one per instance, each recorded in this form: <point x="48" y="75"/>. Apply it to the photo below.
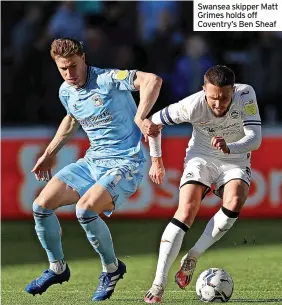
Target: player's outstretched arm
<point x="149" y="86"/>
<point x="173" y="114"/>
<point x="44" y="164"/>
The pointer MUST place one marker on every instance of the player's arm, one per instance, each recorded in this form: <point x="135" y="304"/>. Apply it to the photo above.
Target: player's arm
<point x="251" y="124"/>
<point x="66" y="129"/>
<point x="149" y="86"/>
<point x="43" y="166"/>
<point x="173" y="114"/>
<point x="251" y="141"/>
<point x="157" y="170"/>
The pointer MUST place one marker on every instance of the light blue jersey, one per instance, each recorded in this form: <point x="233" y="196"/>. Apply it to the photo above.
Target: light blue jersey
<point x="105" y="108"/>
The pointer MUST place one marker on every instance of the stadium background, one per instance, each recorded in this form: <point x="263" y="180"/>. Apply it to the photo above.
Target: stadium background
<point x="150" y="36"/>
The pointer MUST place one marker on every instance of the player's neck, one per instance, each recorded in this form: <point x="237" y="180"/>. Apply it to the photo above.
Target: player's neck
<point x="84" y="79"/>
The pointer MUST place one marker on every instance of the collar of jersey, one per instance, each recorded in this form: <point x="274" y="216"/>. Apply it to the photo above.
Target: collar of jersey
<point x="87" y="79"/>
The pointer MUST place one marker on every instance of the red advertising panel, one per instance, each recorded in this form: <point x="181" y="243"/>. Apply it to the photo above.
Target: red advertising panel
<point x="19" y="187"/>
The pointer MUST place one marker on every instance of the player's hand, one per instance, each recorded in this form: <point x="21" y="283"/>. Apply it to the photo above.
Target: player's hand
<point x="157" y="170"/>
<point x="149" y="129"/>
<point x="43" y="166"/>
<point x="219" y="143"/>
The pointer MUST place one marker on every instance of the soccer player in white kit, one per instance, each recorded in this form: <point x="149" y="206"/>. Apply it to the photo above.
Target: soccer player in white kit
<point x="226" y="128"/>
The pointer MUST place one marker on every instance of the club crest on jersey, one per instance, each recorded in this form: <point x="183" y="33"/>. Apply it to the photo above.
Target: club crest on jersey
<point x="97" y="100"/>
<point x="235" y="114"/>
<point x="250" y="108"/>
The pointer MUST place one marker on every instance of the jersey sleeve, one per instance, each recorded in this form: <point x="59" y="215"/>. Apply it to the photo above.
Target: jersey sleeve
<point x="251" y="141"/>
<point x="174" y="114"/>
<point x="251" y="124"/>
<point x="118" y="79"/>
<point x="250" y="111"/>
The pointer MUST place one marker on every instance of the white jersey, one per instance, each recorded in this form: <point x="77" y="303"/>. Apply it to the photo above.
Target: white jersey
<point x="240" y="127"/>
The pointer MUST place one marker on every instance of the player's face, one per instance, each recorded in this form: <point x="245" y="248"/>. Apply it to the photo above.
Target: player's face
<point x="218" y="98"/>
<point x="72" y="69"/>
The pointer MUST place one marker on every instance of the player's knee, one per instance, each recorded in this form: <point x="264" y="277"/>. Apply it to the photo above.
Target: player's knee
<point x="37" y="208"/>
<point x="87" y="204"/>
<point x="44" y="202"/>
<point x="83" y="215"/>
<point x="234" y="203"/>
<point x="187" y="211"/>
<point x="98" y="204"/>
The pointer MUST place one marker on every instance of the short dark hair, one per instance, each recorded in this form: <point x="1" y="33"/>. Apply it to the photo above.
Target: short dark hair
<point x="220" y="76"/>
<point x="65" y="47"/>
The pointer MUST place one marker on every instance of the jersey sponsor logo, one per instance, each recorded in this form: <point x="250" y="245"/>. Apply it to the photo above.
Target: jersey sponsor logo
<point x="250" y="108"/>
<point x="97" y="100"/>
<point x="96" y="120"/>
<point x="204" y="123"/>
<point x="231" y="128"/>
<point x="121" y="74"/>
<point x="235" y="114"/>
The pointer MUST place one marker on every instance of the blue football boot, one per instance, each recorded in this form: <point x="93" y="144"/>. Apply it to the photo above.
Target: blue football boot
<point x="108" y="283"/>
<point x="47" y="279"/>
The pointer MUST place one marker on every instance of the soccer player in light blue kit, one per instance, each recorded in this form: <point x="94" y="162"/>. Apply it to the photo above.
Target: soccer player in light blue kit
<point x="101" y="102"/>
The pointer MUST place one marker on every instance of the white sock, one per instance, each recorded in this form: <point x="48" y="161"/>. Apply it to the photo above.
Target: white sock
<point x="218" y="225"/>
<point x="58" y="267"/>
<point x="169" y="248"/>
<point x="111" y="267"/>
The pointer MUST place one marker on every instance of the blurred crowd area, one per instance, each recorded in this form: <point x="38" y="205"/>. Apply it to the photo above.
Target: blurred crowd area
<point x="152" y="36"/>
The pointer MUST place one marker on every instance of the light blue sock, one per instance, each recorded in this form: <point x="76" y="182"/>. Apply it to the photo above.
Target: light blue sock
<point x="48" y="229"/>
<point x="98" y="235"/>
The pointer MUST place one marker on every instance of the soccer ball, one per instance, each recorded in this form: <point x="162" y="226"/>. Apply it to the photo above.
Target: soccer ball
<point x="214" y="285"/>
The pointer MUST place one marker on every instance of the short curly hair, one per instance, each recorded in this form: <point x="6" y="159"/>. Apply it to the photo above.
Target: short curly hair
<point x="65" y="47"/>
<point x="219" y="76"/>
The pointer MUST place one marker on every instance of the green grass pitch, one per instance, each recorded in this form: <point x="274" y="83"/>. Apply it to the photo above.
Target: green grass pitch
<point x="251" y="252"/>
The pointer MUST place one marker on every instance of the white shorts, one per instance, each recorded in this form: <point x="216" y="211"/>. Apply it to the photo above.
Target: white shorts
<point x="207" y="170"/>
